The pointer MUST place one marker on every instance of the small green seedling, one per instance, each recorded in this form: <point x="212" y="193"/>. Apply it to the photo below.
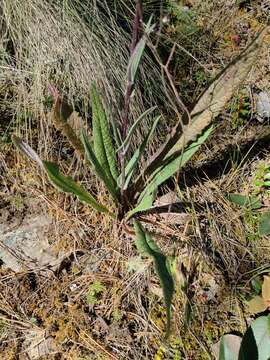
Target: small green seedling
<point x="94" y="291"/>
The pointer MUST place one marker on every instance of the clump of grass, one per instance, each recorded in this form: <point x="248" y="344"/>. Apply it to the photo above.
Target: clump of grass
<point x="65" y="44"/>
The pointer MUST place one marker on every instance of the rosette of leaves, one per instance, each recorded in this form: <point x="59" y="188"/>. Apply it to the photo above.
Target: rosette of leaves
<point x="133" y="190"/>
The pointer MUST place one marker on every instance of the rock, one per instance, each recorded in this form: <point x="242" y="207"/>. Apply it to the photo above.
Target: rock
<point x="262" y="106"/>
<point x="38" y="345"/>
<point x="26" y="246"/>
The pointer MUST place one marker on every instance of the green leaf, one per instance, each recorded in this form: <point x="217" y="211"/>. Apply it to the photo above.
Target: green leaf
<point x="68" y="185"/>
<point x="147" y="247"/>
<point x="256" y="285"/>
<point x="145" y="204"/>
<point x="126" y="142"/>
<point x="165" y="172"/>
<point x="103" y="146"/>
<point x="136" y="56"/>
<point x="264" y="225"/>
<point x="256" y="341"/>
<point x="219" y="92"/>
<point x="229" y="347"/>
<point x="245" y="200"/>
<point x="207" y="107"/>
<point x="108" y="181"/>
<point x="129" y="170"/>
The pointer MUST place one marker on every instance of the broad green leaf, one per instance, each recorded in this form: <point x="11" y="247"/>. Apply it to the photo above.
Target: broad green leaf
<point x="256" y="341"/>
<point x="130" y="168"/>
<point x="264" y="225"/>
<point x="251" y="202"/>
<point x="108" y="181"/>
<point x="103" y="146"/>
<point x="126" y="142"/>
<point x="147" y="247"/>
<point x="68" y="185"/>
<point x="229" y="347"/>
<point x="165" y="172"/>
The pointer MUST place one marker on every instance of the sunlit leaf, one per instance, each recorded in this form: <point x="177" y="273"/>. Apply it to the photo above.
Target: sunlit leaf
<point x="107" y="179"/>
<point x="266" y="288"/>
<point x="219" y="92"/>
<point x="103" y="146"/>
<point x="136" y="56"/>
<point x="131" y="166"/>
<point x="165" y="172"/>
<point x="68" y="185"/>
<point x="132" y="129"/>
<point x="257" y="305"/>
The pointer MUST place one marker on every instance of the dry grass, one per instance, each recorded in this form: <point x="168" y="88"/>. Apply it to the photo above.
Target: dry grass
<point x="53" y="44"/>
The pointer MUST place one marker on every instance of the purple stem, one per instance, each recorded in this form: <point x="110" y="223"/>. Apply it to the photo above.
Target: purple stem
<point x="134" y="41"/>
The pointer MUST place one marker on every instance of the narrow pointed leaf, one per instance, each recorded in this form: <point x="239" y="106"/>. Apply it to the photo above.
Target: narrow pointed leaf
<point x="68" y="185"/>
<point x="147" y="247"/>
<point x="164" y="173"/>
<point x="131" y="166"/>
<point x="136" y="56"/>
<point x="26" y="150"/>
<point x="208" y="106"/>
<point x="108" y="181"/>
<point x="127" y="140"/>
<point x="103" y="146"/>
<point x="219" y="92"/>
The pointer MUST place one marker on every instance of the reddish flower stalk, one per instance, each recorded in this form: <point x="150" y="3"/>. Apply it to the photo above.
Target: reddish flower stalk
<point x="134" y="41"/>
<point x="129" y="88"/>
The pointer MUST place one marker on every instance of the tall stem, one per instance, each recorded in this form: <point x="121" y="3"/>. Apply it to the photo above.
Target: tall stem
<point x="129" y="88"/>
